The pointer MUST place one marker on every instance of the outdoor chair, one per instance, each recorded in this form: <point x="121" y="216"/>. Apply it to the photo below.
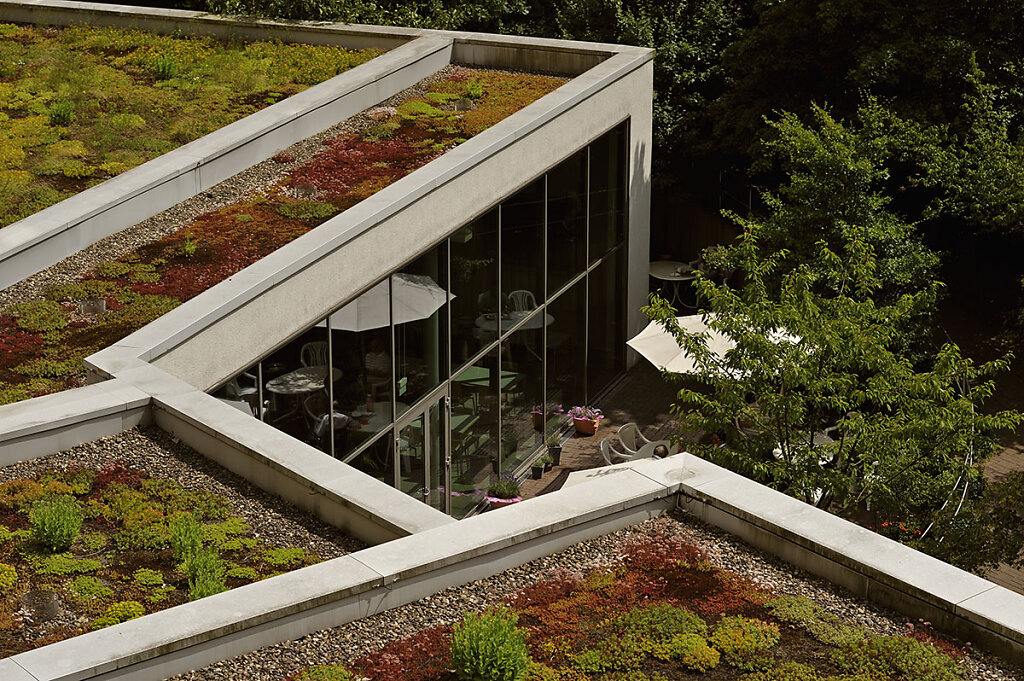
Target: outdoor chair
<point x="610" y="453"/>
<point x="249" y="394"/>
<point x="631" y="438"/>
<point x="315" y="410"/>
<point x="522" y="301"/>
<point x="314" y="354"/>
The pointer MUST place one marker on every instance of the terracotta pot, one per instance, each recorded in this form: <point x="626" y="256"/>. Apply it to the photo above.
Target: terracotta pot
<point x="496" y="502"/>
<point x="586" y="426"/>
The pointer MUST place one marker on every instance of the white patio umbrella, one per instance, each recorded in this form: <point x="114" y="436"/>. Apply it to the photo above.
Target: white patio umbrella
<point x="414" y="297"/>
<point x="659" y="347"/>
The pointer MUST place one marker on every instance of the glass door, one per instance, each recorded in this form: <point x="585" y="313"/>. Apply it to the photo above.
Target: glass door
<point x="423" y="459"/>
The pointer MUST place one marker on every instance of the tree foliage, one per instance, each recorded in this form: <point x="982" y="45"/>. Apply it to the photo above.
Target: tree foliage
<point x="820" y="397"/>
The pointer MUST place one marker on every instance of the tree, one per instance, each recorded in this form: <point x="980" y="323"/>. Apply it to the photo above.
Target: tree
<point x="820" y="397"/>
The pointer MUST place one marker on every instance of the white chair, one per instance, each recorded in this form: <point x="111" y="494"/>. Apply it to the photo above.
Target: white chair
<point x="314" y="354"/>
<point x="631" y="439"/>
<point x="610" y="453"/>
<point x="249" y="394"/>
<point x="522" y="301"/>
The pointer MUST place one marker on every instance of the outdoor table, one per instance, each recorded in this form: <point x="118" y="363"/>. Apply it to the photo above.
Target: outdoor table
<point x="376" y="420"/>
<point x="301" y="381"/>
<point x="675" y="273"/>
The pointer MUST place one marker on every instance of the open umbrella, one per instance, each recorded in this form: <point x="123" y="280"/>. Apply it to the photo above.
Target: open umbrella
<point x="660" y="348"/>
<point x="413" y="297"/>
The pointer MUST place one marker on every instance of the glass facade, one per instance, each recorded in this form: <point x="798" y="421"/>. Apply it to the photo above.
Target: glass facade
<point x="453" y="368"/>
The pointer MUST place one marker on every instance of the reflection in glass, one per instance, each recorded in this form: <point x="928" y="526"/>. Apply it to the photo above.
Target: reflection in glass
<point x="567" y="221"/>
<point x="419" y="306"/>
<point x="606" y="352"/>
<point x="522" y="251"/>
<point x="566" y="351"/>
<point x="474" y="280"/>
<point x="474" y="434"/>
<point x="361" y="350"/>
<point x="378" y="459"/>
<point x="243" y="392"/>
<point x="522" y="375"/>
<point x="608" y="162"/>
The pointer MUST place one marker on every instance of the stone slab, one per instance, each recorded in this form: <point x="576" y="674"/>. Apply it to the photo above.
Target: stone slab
<point x="998" y="609"/>
<point x="59" y="410"/>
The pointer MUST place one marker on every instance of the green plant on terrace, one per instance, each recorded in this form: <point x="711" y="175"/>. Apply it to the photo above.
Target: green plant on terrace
<point x="744" y="642"/>
<point x="205" y="574"/>
<point x="487" y="646"/>
<point x="186" y="537"/>
<point x="8" y="577"/>
<point x="165" y="67"/>
<point x="56" y="522"/>
<point x="88" y="588"/>
<point x="62" y="112"/>
<point x="147" y="577"/>
<point x="121" y="611"/>
<point x="322" y="672"/>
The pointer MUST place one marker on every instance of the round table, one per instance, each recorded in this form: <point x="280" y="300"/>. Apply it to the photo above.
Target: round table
<point x="299" y="382"/>
<point x="674" y="272"/>
<point x="489" y="322"/>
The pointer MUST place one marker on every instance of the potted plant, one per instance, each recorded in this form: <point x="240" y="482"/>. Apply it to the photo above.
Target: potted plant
<point x="504" y="491"/>
<point x="538" y="467"/>
<point x="554" y="443"/>
<point x="586" y="419"/>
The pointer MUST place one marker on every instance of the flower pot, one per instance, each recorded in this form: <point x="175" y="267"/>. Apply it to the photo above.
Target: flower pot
<point x="537" y="471"/>
<point x="497" y="502"/>
<point x="556" y="455"/>
<point x="538" y="421"/>
<point x="586" y="426"/>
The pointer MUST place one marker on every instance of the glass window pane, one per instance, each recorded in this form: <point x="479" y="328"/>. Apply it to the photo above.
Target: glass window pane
<point x="474" y="282"/>
<point x="606" y="353"/>
<point x="295" y="387"/>
<point x="474" y="437"/>
<point x="361" y="350"/>
<point x="412" y="456"/>
<point x="242" y="392"/>
<point x="566" y="350"/>
<point x="378" y="459"/>
<point x="567" y="221"/>
<point x="522" y="373"/>
<point x="608" y="191"/>
<point x="522" y="249"/>
<point x="419" y="304"/>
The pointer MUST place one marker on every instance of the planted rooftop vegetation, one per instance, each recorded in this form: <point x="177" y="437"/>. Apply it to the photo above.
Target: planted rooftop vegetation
<point x="659" y="611"/>
<point x="43" y="342"/>
<point x="79" y="105"/>
<point x="88" y="545"/>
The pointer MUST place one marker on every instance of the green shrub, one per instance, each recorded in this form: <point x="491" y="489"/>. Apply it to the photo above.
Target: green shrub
<point x="56" y="522"/>
<point x="160" y="594"/>
<point x="823" y="626"/>
<point x="8" y="577"/>
<point x="63" y="564"/>
<point x="89" y="588"/>
<point x="186" y="537"/>
<point x="122" y="611"/>
<point x="307" y="210"/>
<point x="205" y="574"/>
<point x="143" y="528"/>
<point x="62" y="112"/>
<point x="324" y="672"/>
<point x="691" y="650"/>
<point x="94" y="541"/>
<point x="474" y="88"/>
<point x="790" y="671"/>
<point x="745" y="643"/>
<point x="896" y="657"/>
<point x="165" y="67"/>
<point x="147" y="577"/>
<point x="236" y="571"/>
<point x="488" y="647"/>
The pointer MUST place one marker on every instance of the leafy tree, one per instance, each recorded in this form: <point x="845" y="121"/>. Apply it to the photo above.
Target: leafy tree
<point x="819" y="398"/>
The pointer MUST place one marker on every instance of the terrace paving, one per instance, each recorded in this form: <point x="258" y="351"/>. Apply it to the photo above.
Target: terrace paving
<point x="643" y="397"/>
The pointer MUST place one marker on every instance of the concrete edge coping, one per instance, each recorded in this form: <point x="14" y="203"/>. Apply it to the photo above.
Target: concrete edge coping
<point x="901" y="568"/>
<point x="131" y="184"/>
<point x="188" y="319"/>
<point x="433" y="551"/>
<point x="302" y="463"/>
<point x="60" y="410"/>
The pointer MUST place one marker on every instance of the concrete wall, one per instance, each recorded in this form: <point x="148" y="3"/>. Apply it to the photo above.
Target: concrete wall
<point x="53" y="423"/>
<point x="214" y="335"/>
<point x="45" y="238"/>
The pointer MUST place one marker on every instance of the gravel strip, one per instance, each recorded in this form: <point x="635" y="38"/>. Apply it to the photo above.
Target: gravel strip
<point x="350" y="641"/>
<point x="251" y="182"/>
<point x="160" y="455"/>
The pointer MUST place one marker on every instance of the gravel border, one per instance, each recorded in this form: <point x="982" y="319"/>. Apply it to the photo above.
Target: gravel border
<point x="355" y="639"/>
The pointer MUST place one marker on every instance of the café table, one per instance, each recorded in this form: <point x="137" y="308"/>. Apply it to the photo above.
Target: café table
<point x="301" y="381"/>
<point x="673" y="272"/>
